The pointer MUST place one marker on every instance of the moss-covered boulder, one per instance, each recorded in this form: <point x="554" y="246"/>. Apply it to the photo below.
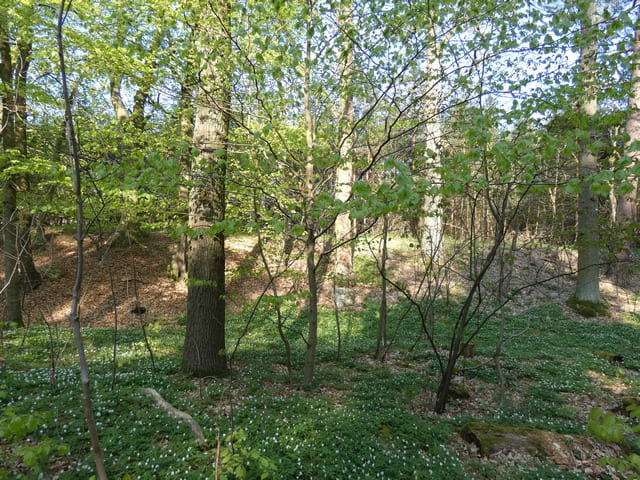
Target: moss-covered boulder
<point x="563" y="450"/>
<point x="491" y="438"/>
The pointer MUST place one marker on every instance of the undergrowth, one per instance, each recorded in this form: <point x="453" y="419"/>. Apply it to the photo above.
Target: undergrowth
<point x="362" y="420"/>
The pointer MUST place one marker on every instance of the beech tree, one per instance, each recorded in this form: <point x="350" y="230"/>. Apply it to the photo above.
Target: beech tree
<point x="627" y="201"/>
<point x="204" y="346"/>
<point x="588" y="283"/>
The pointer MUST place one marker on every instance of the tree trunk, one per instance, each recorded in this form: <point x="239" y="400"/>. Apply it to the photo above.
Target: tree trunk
<point x="204" y="346"/>
<point x="31" y="277"/>
<point x="344" y="175"/>
<point x="588" y="283"/>
<point x="626" y="206"/>
<point x="74" y="318"/>
<point x="381" y="339"/>
<point x="310" y="245"/>
<point x="312" y="337"/>
<point x="431" y="235"/>
<point x="180" y="250"/>
<point x="12" y="283"/>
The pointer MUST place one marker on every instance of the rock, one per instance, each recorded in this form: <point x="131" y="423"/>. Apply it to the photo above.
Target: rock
<point x="491" y="438"/>
<point x="564" y="450"/>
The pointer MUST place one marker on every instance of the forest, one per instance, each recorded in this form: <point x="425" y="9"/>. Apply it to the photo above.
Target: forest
<point x="309" y="239"/>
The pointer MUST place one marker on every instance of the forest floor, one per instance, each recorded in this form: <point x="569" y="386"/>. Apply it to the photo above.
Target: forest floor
<point x="552" y="372"/>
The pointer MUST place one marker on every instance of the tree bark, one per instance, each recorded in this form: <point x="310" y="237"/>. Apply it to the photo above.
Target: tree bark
<point x="310" y="245"/>
<point x="12" y="282"/>
<point x="204" y="346"/>
<point x="431" y="232"/>
<point x="626" y="216"/>
<point x="588" y="283"/>
<point x="180" y="250"/>
<point x="344" y="174"/>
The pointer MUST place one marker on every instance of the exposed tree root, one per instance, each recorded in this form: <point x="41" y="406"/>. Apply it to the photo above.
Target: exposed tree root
<point x="178" y="415"/>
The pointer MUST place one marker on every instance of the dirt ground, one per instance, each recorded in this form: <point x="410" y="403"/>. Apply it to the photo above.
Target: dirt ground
<point x="140" y="276"/>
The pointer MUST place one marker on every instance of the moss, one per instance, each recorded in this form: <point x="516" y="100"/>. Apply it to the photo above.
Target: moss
<point x="588" y="309"/>
<point x="610" y="356"/>
<point x="490" y="438"/>
<point x="458" y="391"/>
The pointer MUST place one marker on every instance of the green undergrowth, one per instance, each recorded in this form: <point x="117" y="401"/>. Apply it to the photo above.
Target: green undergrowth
<point x="361" y="420"/>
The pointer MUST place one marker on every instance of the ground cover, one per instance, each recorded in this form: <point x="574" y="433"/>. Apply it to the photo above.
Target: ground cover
<point x="363" y="419"/>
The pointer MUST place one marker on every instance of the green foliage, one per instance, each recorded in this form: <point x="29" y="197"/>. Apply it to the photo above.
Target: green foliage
<point x="18" y="446"/>
<point x="609" y="427"/>
<point x="239" y="461"/>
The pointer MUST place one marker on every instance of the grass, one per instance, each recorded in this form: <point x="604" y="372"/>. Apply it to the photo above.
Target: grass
<point x="363" y="420"/>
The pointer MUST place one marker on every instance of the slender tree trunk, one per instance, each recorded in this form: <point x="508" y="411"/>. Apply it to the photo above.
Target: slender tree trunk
<point x="75" y="295"/>
<point x="180" y="253"/>
<point x="204" y="346"/>
<point x="627" y="204"/>
<point x="312" y="337"/>
<point x="381" y="339"/>
<point x="588" y="283"/>
<point x="431" y="234"/>
<point x="310" y="245"/>
<point x="344" y="174"/>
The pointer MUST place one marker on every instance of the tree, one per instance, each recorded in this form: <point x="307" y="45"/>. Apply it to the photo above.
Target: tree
<point x="204" y="345"/>
<point x="588" y="283"/>
<point x="627" y="201"/>
<point x="432" y="234"/>
<point x="344" y="173"/>
<point x="14" y="66"/>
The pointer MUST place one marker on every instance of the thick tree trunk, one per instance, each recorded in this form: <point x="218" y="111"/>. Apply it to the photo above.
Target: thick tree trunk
<point x="627" y="205"/>
<point x="12" y="283"/>
<point x="344" y="174"/>
<point x="588" y="283"/>
<point x="204" y="346"/>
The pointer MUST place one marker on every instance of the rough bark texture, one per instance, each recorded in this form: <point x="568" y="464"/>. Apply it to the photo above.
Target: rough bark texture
<point x="10" y="79"/>
<point x="204" y="347"/>
<point x="344" y="175"/>
<point x="588" y="284"/>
